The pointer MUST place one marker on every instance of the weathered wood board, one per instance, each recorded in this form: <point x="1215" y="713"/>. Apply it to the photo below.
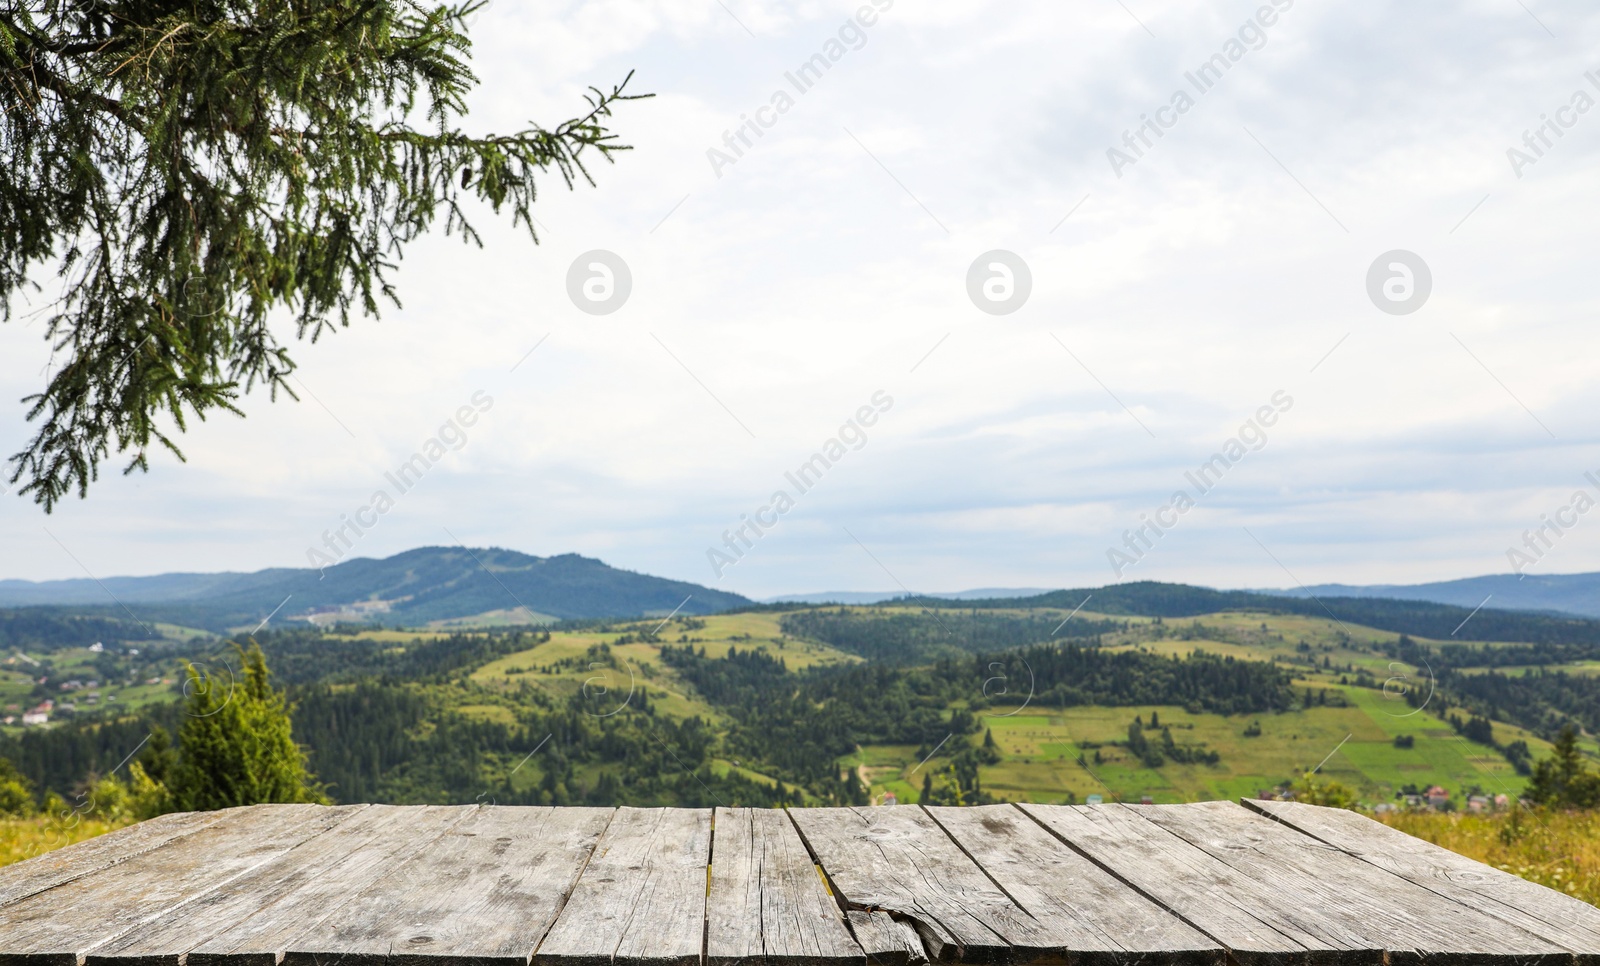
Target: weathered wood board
<point x="1098" y="919"/>
<point x="641" y="901"/>
<point x="767" y="902"/>
<point x="899" y="860"/>
<point x="1211" y="884"/>
<point x="482" y="893"/>
<point x="887" y="941"/>
<point x="1568" y="922"/>
<point x="328" y="874"/>
<point x="38" y="931"/>
<point x="236" y="922"/>
<point x="55" y="868"/>
<point x="1243" y="914"/>
<point x="1384" y="910"/>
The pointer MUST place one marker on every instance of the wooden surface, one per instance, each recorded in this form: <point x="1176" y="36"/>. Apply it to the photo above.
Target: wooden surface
<point x="1100" y="919"/>
<point x="766" y="902"/>
<point x="899" y="859"/>
<point x="642" y="896"/>
<point x="1211" y="884"/>
<point x="1570" y="923"/>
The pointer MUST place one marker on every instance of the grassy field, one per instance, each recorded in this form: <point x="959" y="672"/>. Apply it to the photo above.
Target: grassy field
<point x="507" y="617"/>
<point x="1556" y="849"/>
<point x="639" y="665"/>
<point x="23" y="838"/>
<point x="1352" y="738"/>
<point x="1040" y="747"/>
<point x="1586" y="668"/>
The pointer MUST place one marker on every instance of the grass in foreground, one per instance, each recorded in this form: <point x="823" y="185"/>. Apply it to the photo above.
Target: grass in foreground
<point x="24" y="838"/>
<point x="1556" y="849"/>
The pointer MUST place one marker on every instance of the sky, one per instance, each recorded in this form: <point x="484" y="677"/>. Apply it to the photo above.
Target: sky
<point x="1351" y="228"/>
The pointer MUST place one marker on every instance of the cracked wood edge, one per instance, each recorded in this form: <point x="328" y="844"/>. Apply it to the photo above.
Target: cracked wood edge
<point x="767" y="903"/>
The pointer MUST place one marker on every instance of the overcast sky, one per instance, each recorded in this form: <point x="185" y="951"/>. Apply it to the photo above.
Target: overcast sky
<point x="1174" y="290"/>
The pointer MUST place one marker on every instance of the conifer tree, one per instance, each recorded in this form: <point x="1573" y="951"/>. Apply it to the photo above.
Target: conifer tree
<point x="191" y="169"/>
<point x="16" y="792"/>
<point x="1564" y="779"/>
<point x="158" y="758"/>
<point x="235" y="746"/>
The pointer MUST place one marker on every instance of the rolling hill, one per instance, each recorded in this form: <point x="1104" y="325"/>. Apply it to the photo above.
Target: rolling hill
<point x="1575" y="595"/>
<point x="420" y="586"/>
<point x="879" y="596"/>
<point x="1561" y="593"/>
<point x="1446" y="622"/>
<point x="808" y="706"/>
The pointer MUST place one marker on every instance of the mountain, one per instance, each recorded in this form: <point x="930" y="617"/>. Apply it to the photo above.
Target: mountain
<point x="415" y="587"/>
<point x="1563" y="593"/>
<point x="1145" y="598"/>
<point x="1576" y="595"/>
<point x="878" y="597"/>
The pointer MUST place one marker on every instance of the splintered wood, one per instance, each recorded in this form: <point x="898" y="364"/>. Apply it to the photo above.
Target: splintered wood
<point x="1210" y="884"/>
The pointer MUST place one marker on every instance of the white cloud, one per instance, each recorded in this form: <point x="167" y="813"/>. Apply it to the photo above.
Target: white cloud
<point x="810" y="274"/>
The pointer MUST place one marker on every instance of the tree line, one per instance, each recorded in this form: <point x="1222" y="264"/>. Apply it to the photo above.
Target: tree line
<point x="905" y="638"/>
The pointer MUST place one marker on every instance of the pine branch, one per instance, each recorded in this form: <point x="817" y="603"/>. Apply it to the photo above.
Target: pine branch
<point x="259" y="148"/>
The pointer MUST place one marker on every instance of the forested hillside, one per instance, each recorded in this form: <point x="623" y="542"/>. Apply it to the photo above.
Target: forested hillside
<point x="917" y="638"/>
<point x="833" y="705"/>
<point x="411" y="588"/>
<point x="47" y="628"/>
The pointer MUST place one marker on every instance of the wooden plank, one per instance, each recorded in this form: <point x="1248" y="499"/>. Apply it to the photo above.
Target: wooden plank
<point x="58" y="927"/>
<point x="1409" y="922"/>
<point x="1242" y="914"/>
<point x="1101" y="920"/>
<point x="767" y="903"/>
<point x="641" y="901"/>
<point x="250" y="920"/>
<point x="1566" y="921"/>
<point x="899" y="860"/>
<point x="35" y="875"/>
<point x="887" y="941"/>
<point x="482" y="894"/>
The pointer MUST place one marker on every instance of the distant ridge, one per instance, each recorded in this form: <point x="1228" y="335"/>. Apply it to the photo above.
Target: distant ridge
<point x="412" y="588"/>
<point x="1574" y="595"/>
<point x="876" y="597"/>
<point x="1148" y="598"/>
<point x="1577" y="594"/>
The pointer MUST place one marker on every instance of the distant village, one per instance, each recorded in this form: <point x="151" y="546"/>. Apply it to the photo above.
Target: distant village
<point x="1434" y="798"/>
<point x="76" y="693"/>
